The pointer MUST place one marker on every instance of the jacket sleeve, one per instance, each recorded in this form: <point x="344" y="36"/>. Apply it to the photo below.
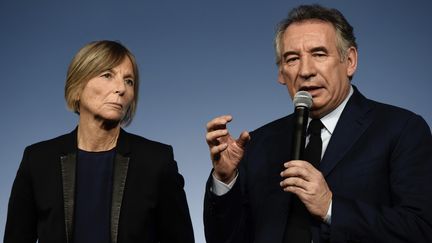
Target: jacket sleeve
<point x="227" y="217"/>
<point x="174" y="223"/>
<point x="409" y="217"/>
<point x="21" y="223"/>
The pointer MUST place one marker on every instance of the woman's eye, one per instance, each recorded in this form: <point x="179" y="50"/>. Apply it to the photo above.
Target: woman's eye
<point x="129" y="82"/>
<point x="106" y="75"/>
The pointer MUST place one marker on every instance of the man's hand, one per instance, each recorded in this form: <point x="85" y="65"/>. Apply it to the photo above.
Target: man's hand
<point x="304" y="180"/>
<point x="225" y="152"/>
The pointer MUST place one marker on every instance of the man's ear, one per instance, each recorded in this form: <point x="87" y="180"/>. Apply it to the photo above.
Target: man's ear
<point x="281" y="78"/>
<point x="352" y="56"/>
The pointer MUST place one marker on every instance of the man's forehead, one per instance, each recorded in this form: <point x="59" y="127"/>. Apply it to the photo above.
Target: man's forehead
<point x="309" y="34"/>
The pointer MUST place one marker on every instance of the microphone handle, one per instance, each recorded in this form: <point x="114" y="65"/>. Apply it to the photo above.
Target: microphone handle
<point x="299" y="136"/>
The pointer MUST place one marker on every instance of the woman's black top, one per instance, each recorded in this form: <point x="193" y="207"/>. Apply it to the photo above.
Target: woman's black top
<point x="93" y="196"/>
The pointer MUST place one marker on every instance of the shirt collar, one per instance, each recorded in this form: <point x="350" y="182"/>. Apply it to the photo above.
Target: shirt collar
<point x="330" y="120"/>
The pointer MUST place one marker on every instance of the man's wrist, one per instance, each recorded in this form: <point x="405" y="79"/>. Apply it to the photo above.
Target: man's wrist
<point x="220" y="188"/>
<point x="225" y="178"/>
<point x="327" y="217"/>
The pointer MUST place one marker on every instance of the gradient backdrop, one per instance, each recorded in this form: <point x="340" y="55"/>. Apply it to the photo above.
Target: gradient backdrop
<point x="198" y="59"/>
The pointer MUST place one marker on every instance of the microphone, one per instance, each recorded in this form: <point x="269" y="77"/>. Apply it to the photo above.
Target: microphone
<point x="302" y="103"/>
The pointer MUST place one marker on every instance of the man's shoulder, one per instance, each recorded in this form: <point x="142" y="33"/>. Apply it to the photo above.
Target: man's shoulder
<point x="388" y="116"/>
<point x="392" y="112"/>
<point x="380" y="109"/>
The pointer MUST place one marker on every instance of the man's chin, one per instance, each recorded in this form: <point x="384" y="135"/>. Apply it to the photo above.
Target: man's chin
<point x="317" y="111"/>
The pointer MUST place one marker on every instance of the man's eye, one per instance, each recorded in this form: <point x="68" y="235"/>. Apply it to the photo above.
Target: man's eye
<point x="291" y="60"/>
<point x="319" y="55"/>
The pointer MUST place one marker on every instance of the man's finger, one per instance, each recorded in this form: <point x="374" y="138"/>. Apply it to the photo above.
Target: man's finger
<point x="294" y="181"/>
<point x="243" y="139"/>
<point x="218" y="123"/>
<point x="294" y="171"/>
<point x="212" y="137"/>
<point x="300" y="192"/>
<point x="298" y="163"/>
<point x="216" y="150"/>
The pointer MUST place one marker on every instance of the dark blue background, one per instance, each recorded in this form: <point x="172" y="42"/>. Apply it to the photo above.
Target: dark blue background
<point x="198" y="59"/>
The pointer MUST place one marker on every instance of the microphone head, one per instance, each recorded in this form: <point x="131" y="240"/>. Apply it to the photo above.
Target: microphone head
<point x="302" y="98"/>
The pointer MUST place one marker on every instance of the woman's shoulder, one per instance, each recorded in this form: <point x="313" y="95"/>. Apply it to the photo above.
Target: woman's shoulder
<point x="140" y="143"/>
<point x="57" y="143"/>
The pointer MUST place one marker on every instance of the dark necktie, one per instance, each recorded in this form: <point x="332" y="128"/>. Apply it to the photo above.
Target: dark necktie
<point x="298" y="225"/>
<point x="313" y="150"/>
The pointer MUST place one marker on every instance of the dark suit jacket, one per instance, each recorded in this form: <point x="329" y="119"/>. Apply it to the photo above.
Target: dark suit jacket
<point x="378" y="165"/>
<point x="148" y="200"/>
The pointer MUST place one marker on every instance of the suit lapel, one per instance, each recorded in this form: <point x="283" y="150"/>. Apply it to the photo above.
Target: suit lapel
<point x="68" y="173"/>
<point x="351" y="125"/>
<point x="68" y="167"/>
<point x="68" y="163"/>
<point x="68" y="147"/>
<point x="121" y="166"/>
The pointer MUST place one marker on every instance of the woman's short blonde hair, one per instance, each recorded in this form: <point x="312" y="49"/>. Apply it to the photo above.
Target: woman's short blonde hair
<point x="91" y="60"/>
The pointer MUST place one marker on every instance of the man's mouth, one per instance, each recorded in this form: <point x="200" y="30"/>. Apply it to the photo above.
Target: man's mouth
<point x="310" y="89"/>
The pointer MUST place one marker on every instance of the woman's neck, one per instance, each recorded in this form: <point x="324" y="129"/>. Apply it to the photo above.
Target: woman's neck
<point x="96" y="137"/>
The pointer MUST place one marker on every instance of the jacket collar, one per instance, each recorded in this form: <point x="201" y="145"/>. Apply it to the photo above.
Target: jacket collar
<point x="354" y="120"/>
<point x="69" y="143"/>
<point x="69" y="148"/>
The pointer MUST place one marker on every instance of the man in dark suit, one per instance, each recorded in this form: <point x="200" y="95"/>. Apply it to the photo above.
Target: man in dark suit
<point x="370" y="183"/>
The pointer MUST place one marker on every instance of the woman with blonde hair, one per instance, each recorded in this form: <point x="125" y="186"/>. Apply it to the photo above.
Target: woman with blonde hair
<point x="99" y="183"/>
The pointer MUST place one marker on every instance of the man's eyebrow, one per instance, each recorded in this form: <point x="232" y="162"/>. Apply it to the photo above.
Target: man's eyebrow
<point x="315" y="49"/>
<point x="319" y="48"/>
<point x="289" y="53"/>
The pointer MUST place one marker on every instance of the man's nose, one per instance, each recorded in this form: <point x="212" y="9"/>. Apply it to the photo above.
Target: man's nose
<point x="307" y="68"/>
